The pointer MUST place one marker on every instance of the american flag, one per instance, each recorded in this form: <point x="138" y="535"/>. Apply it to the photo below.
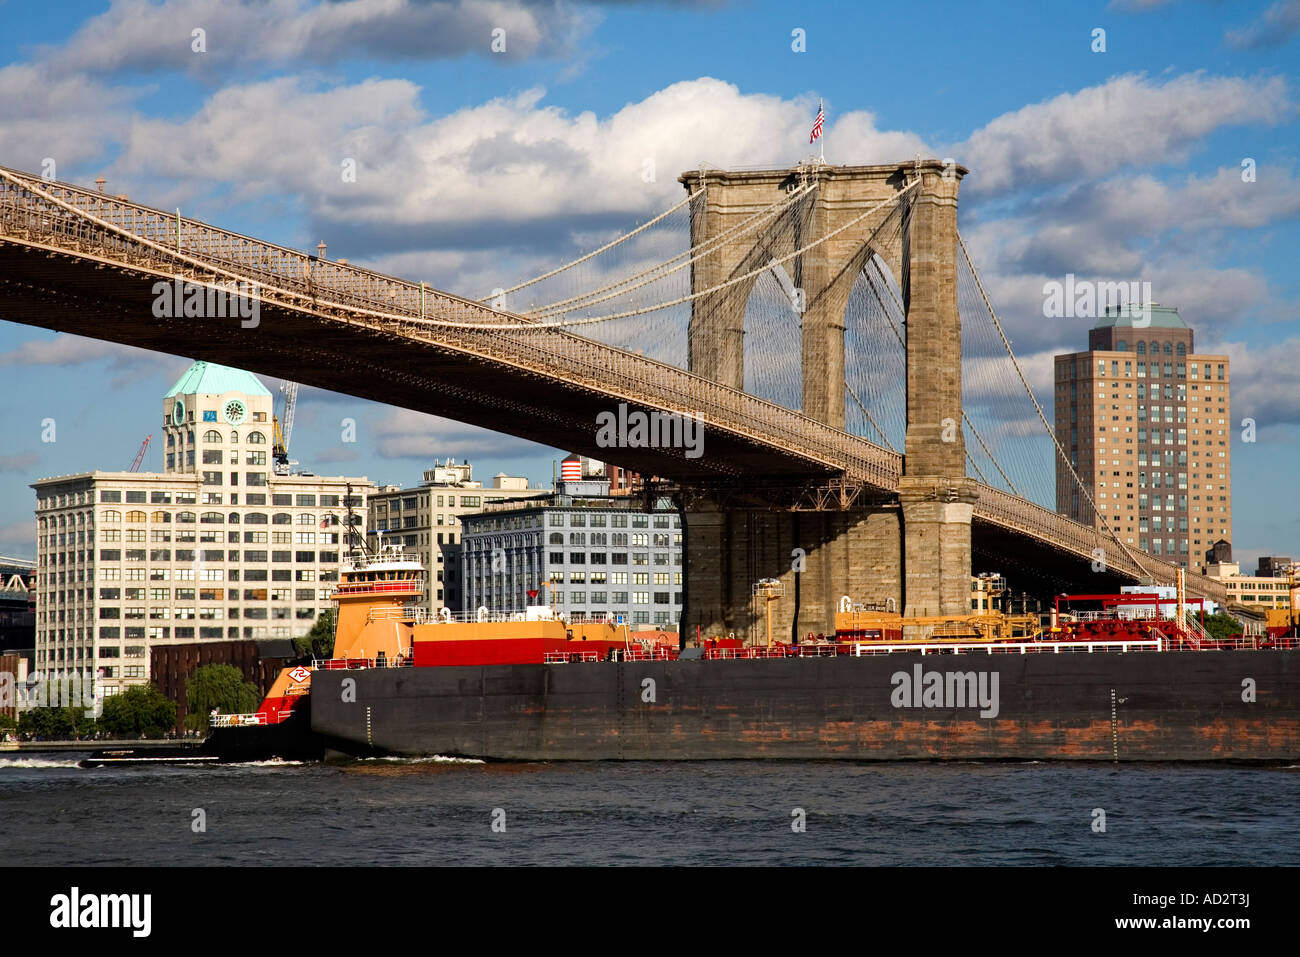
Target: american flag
<point x="817" y="123"/>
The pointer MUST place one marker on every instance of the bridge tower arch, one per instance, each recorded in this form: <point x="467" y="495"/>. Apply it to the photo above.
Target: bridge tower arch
<point x="935" y="499"/>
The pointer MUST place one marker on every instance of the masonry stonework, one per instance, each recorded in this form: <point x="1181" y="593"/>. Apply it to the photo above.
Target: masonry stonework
<point x="917" y="552"/>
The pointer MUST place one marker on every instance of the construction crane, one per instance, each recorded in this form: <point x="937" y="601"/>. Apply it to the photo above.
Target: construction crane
<point x="139" y="456"/>
<point x="283" y="428"/>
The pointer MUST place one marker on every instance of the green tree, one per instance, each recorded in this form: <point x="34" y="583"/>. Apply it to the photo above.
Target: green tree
<point x="7" y="724"/>
<point x="37" y="723"/>
<point x="83" y="721"/>
<point x="1221" y="625"/>
<point x="218" y="686"/>
<point x="53" y="724"/>
<point x="141" y="711"/>
<point x="319" y="642"/>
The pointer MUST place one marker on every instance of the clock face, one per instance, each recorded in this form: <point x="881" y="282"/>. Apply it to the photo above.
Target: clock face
<point x="234" y="412"/>
<point x="178" y="412"/>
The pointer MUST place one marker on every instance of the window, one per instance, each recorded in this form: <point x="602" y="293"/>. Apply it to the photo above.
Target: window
<point x="108" y="496"/>
<point x="256" y="438"/>
<point x="211" y="478"/>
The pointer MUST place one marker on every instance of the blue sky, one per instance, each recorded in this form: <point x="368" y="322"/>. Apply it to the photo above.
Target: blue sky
<point x="479" y="168"/>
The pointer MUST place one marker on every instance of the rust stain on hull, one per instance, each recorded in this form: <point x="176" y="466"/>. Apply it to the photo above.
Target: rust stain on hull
<point x="1167" y="706"/>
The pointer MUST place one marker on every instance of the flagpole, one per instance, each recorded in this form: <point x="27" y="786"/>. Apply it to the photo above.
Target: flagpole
<point x="822" y="138"/>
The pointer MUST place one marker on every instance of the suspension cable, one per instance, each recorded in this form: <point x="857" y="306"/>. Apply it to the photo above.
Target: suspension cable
<point x="965" y="418"/>
<point x="594" y="253"/>
<point x="589" y="298"/>
<point x="1039" y="409"/>
<point x="724" y="284"/>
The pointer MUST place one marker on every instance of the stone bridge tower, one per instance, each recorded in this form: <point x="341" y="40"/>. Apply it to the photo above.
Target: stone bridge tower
<point x="913" y="547"/>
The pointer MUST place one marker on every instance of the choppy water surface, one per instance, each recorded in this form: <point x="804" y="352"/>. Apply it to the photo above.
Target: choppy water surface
<point x="436" y="812"/>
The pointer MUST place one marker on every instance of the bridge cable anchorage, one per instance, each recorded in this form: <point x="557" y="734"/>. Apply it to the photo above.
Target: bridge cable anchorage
<point x="593" y="296"/>
<point x="725" y="284"/>
<point x="965" y="418"/>
<point x="596" y="252"/>
<point x="1039" y="409"/>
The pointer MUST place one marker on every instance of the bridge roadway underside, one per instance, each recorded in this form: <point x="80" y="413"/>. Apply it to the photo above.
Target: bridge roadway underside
<point x="70" y="294"/>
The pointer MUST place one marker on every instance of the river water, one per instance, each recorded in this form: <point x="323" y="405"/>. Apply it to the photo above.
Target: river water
<point x="440" y="812"/>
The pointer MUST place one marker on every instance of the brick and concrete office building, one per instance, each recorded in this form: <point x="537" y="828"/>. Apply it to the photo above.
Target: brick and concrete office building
<point x="215" y="547"/>
<point x="1145" y="420"/>
<point x="599" y="555"/>
<point x="427" y="521"/>
<point x="1269" y="587"/>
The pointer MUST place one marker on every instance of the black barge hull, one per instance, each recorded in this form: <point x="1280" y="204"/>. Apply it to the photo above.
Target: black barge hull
<point x="1141" y="706"/>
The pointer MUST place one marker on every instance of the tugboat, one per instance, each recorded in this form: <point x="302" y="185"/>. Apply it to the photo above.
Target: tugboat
<point x="279" y="729"/>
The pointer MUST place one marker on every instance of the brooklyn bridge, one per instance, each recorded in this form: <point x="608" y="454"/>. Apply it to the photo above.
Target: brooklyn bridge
<point x="856" y="394"/>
